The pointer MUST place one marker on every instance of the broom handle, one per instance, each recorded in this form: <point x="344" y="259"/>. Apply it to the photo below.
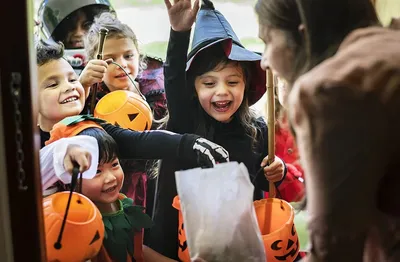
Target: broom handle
<point x="271" y="125"/>
<point x="102" y="37"/>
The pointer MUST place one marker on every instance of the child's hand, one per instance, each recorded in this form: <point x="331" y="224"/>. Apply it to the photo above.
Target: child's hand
<point x="181" y="14"/>
<point x="275" y="171"/>
<point x="93" y="72"/>
<point x="77" y="154"/>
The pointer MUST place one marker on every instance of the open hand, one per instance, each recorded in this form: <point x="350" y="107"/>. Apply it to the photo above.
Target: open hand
<point x="275" y="171"/>
<point x="209" y="153"/>
<point x="181" y="14"/>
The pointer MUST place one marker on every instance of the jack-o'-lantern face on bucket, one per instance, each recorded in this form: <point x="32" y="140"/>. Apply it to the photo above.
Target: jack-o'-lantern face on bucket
<point x="183" y="251"/>
<point x="291" y="247"/>
<point x="83" y="220"/>
<point x="276" y="221"/>
<point x="125" y="109"/>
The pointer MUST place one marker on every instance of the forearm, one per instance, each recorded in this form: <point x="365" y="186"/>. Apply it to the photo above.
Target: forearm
<point x="155" y="144"/>
<point x="177" y="92"/>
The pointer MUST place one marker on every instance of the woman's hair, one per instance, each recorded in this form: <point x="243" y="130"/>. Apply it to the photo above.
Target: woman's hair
<point x="116" y="29"/>
<point x="326" y="24"/>
<point x="284" y="15"/>
<point x="108" y="148"/>
<point x="47" y="52"/>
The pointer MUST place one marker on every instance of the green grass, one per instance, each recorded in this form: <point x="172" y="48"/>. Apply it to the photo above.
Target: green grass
<point x="159" y="49"/>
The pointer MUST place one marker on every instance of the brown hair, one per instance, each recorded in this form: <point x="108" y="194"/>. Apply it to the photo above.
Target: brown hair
<point x="116" y="29"/>
<point x="338" y="17"/>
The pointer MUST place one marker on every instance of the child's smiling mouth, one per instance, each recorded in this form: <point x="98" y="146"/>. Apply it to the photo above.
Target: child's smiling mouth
<point x="221" y="106"/>
<point x="110" y="190"/>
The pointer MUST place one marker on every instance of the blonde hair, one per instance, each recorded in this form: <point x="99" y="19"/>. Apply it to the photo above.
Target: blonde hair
<point x="116" y="29"/>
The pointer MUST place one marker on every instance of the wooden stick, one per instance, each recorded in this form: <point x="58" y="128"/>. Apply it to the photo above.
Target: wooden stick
<point x="102" y="37"/>
<point x="271" y="125"/>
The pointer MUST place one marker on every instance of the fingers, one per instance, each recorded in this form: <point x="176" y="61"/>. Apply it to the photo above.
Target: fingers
<point x="196" y="6"/>
<point x="275" y="171"/>
<point x="110" y="60"/>
<point x="221" y="155"/>
<point x="98" y="62"/>
<point x="68" y="164"/>
<point x="274" y="177"/>
<point x="167" y="4"/>
<point x="76" y="154"/>
<point x="213" y="151"/>
<point x="83" y="160"/>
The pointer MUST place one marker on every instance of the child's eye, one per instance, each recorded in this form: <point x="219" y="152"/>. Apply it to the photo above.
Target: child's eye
<point x="129" y="56"/>
<point x="98" y="171"/>
<point x="115" y="164"/>
<point x="208" y="84"/>
<point x="73" y="80"/>
<point x="233" y="83"/>
<point x="51" y="85"/>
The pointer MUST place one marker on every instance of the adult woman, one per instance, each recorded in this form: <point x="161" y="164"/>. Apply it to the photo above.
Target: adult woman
<point x="342" y="110"/>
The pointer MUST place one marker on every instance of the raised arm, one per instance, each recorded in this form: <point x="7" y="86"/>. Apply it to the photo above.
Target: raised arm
<point x="182" y="17"/>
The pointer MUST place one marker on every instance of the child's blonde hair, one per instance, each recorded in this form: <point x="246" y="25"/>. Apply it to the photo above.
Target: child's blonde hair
<point x="116" y="29"/>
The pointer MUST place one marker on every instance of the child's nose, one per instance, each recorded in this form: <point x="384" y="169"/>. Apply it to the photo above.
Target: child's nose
<point x="80" y="30"/>
<point x="122" y="61"/>
<point x="222" y="89"/>
<point x="109" y="177"/>
<point x="69" y="88"/>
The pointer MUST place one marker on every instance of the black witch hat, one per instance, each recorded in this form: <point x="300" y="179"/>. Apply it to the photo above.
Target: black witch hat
<point x="212" y="28"/>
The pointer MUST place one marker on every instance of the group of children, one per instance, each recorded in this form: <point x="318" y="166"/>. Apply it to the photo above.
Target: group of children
<point x="208" y="121"/>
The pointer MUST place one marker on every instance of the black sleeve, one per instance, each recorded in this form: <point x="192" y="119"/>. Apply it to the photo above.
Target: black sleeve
<point x="178" y="93"/>
<point x="155" y="144"/>
<point x="261" y="181"/>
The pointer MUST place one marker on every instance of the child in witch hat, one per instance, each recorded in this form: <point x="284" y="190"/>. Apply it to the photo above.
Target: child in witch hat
<point x="209" y="92"/>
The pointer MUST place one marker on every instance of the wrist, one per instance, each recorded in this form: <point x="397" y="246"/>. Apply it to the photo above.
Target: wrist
<point x="185" y="149"/>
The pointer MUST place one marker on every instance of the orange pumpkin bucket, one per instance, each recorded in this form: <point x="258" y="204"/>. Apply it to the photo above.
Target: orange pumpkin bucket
<point x="83" y="233"/>
<point x="278" y="231"/>
<point x="183" y="250"/>
<point x="125" y="109"/>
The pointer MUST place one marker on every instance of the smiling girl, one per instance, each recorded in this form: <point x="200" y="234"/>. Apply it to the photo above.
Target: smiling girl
<point x="209" y="92"/>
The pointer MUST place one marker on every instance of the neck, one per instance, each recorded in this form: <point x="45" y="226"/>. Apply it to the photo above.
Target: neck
<point x="108" y="207"/>
<point x="45" y="124"/>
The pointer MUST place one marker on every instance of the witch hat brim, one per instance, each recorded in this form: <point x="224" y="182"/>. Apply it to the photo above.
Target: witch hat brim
<point x="212" y="28"/>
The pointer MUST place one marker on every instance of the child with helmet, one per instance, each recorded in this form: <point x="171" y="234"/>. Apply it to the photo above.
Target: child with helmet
<point x="68" y="22"/>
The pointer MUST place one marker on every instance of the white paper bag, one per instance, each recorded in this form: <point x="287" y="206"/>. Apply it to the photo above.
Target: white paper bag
<point x="218" y="212"/>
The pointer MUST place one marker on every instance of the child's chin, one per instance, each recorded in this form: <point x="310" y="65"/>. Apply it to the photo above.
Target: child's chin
<point x="222" y="118"/>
